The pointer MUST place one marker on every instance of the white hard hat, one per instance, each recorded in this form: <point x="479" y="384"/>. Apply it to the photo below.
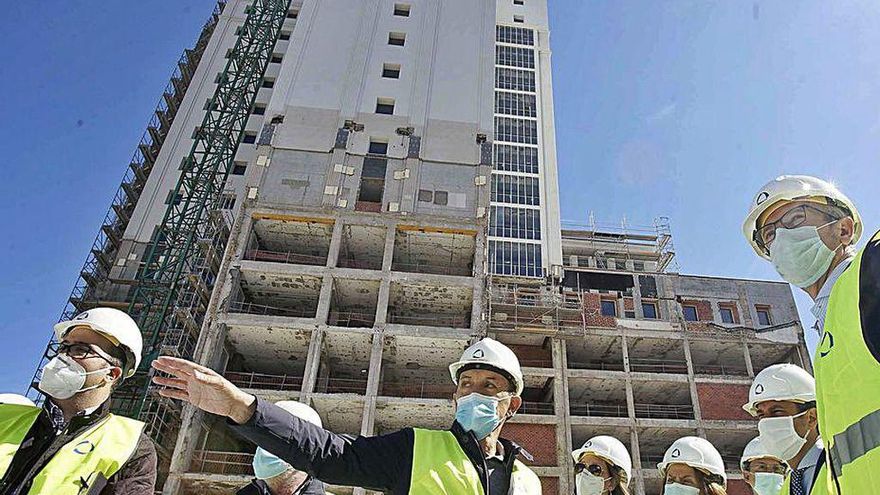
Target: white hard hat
<point x="113" y="324"/>
<point x="790" y="188"/>
<point x="16" y="399"/>
<point x="756" y="450"/>
<point x="697" y="453"/>
<point x="301" y="411"/>
<point x="781" y="382"/>
<point x="490" y="354"/>
<point x="608" y="448"/>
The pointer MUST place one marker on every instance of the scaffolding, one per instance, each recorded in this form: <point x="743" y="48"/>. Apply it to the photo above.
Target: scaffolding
<point x="624" y="242"/>
<point x="94" y="286"/>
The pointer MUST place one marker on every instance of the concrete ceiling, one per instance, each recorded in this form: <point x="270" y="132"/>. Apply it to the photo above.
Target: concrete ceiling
<point x="764" y="355"/>
<point x="280" y="290"/>
<point x="731" y="442"/>
<point x="340" y="414"/>
<point x="655" y="440"/>
<point x="590" y="390"/>
<point x="519" y="338"/>
<point x="423" y="352"/>
<point x="581" y="433"/>
<point x="705" y="352"/>
<point x="347" y="350"/>
<point x="396" y="414"/>
<point x="269" y="349"/>
<point x="660" y="392"/>
<point x="363" y="244"/>
<point x="423" y="300"/>
<point x="647" y="348"/>
<point x="309" y="238"/>
<point x="359" y="296"/>
<point x="433" y="248"/>
<point x="595" y="348"/>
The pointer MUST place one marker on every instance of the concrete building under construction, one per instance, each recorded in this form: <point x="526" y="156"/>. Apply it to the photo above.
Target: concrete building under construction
<point x="383" y="193"/>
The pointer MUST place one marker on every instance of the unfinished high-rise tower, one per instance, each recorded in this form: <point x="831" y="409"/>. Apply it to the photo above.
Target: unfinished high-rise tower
<point x="337" y="196"/>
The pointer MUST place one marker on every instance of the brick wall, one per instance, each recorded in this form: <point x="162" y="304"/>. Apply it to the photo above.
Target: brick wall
<point x="704" y="308"/>
<point x="593" y="312"/>
<point x="538" y="440"/>
<point x="738" y="487"/>
<point x="734" y="308"/>
<point x="532" y="355"/>
<point x="723" y="401"/>
<point x="550" y="486"/>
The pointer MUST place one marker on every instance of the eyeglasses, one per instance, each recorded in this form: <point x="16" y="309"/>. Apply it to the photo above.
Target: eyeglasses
<point x="776" y="468"/>
<point x="793" y="218"/>
<point x="78" y="350"/>
<point x="594" y="469"/>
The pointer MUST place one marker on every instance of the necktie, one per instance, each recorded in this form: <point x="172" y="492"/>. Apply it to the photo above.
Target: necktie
<point x="797" y="482"/>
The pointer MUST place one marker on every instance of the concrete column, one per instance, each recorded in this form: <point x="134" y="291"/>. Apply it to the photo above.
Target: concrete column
<point x="324" y="299"/>
<point x="374" y="377"/>
<point x="630" y="396"/>
<point x="479" y="326"/>
<point x="695" y="398"/>
<point x="563" y="417"/>
<point x="637" y="298"/>
<point x="335" y="244"/>
<point x="639" y="487"/>
<point x="382" y="302"/>
<point x="748" y="356"/>
<point x="313" y="361"/>
<point x="388" y="254"/>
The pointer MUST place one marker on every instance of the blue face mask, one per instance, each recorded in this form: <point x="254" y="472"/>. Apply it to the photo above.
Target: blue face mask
<point x="678" y="489"/>
<point x="478" y="413"/>
<point x="267" y="465"/>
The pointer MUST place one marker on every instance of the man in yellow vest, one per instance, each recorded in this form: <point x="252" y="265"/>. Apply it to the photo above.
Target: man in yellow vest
<point x="468" y="459"/>
<point x="73" y="445"/>
<point x="808" y="229"/>
<point x="783" y="398"/>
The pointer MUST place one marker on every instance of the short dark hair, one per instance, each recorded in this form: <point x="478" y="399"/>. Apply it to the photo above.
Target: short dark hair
<point x="806" y="406"/>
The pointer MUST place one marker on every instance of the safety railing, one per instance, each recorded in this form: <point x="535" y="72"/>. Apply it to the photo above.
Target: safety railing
<point x="596" y="365"/>
<point x="602" y="410"/>
<point x="648" y="365"/>
<point x="650" y="461"/>
<point x="430" y="321"/>
<point x="664" y="411"/>
<point x="720" y="369"/>
<point x="351" y="319"/>
<point x="261" y="381"/>
<point x="287" y="257"/>
<point x="217" y="462"/>
<point x="262" y="309"/>
<point x="363" y="264"/>
<point x="434" y="268"/>
<point x="341" y="386"/>
<point x="529" y="407"/>
<point x="417" y="389"/>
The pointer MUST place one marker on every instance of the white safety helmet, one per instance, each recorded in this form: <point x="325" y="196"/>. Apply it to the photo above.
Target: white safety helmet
<point x="116" y="326"/>
<point x="608" y="448"/>
<point x="697" y="453"/>
<point x="781" y="382"/>
<point x="16" y="399"/>
<point x="493" y="355"/>
<point x="756" y="450"/>
<point x="790" y="188"/>
<point x="301" y="411"/>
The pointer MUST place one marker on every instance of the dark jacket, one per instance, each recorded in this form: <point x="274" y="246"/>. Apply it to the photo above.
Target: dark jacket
<point x="382" y="462"/>
<point x="259" y="487"/>
<point x="49" y="433"/>
<point x="869" y="297"/>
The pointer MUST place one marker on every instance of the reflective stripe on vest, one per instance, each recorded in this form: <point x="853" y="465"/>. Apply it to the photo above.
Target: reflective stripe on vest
<point x="100" y="451"/>
<point x="440" y="467"/>
<point x="848" y="390"/>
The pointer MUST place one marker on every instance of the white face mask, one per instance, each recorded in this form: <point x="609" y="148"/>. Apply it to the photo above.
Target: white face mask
<point x="589" y="484"/>
<point x="63" y="378"/>
<point x="779" y="436"/>
<point x="677" y="489"/>
<point x="800" y="256"/>
<point x="768" y="483"/>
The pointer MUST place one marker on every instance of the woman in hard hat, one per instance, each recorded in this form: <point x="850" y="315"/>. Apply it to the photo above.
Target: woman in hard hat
<point x="763" y="471"/>
<point x="603" y="466"/>
<point x="693" y="466"/>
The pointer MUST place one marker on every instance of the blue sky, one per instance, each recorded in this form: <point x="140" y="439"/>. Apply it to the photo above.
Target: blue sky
<point x="675" y="108"/>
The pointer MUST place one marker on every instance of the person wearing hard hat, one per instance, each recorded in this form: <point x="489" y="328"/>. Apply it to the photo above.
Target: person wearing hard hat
<point x="762" y="471"/>
<point x="74" y="444"/>
<point x="602" y="467"/>
<point x="469" y="458"/>
<point x="783" y="398"/>
<point x="808" y="229"/>
<point x="693" y="466"/>
<point x="276" y="477"/>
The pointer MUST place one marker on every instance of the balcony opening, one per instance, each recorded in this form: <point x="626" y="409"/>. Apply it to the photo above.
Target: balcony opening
<point x="418" y="367"/>
<point x="272" y="294"/>
<point x="426" y="250"/>
<point x="597" y="397"/>
<point x="290" y="242"/>
<point x="597" y="352"/>
<point x="647" y="355"/>
<point x="267" y="358"/>
<point x="537" y="396"/>
<point x="730" y="444"/>
<point x="363" y="247"/>
<point x="763" y="355"/>
<point x="718" y="358"/>
<point x="662" y="400"/>
<point x="430" y="305"/>
<point x="353" y="303"/>
<point x="345" y="363"/>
